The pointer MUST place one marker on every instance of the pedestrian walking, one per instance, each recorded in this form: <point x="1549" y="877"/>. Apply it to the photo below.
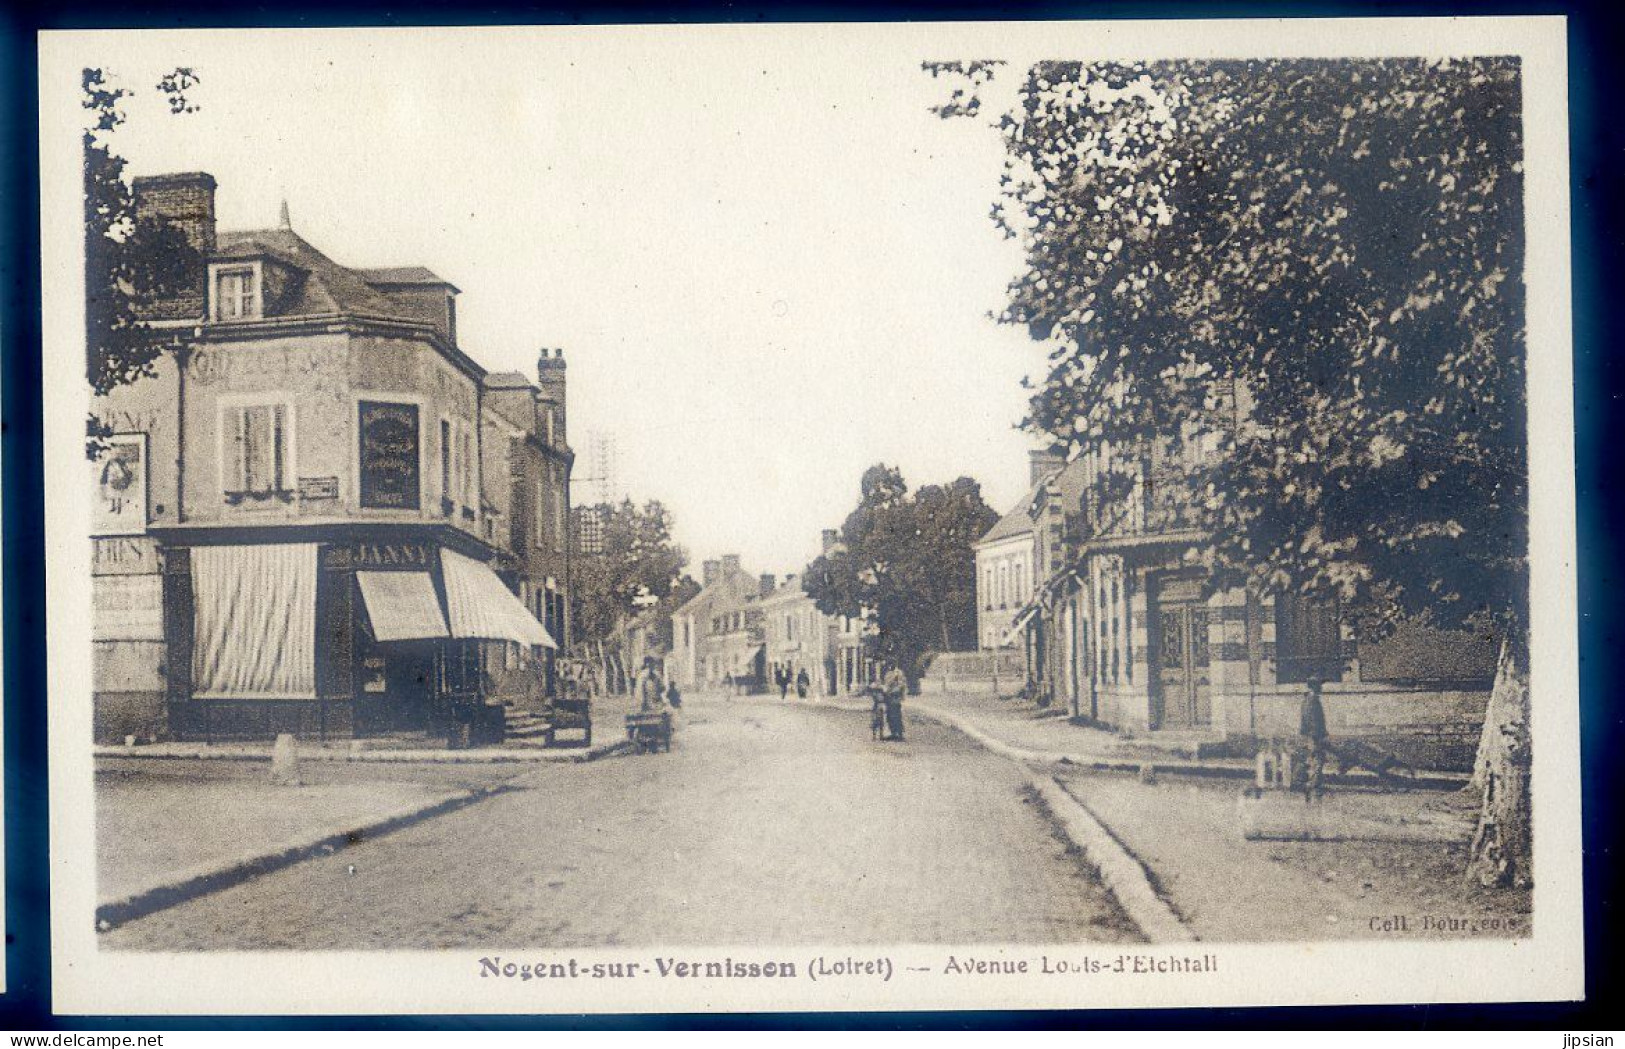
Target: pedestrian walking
<point x="803" y="683"/>
<point x="1312" y="730"/>
<point x="782" y="676"/>
<point x="894" y="686"/>
<point x="728" y="683"/>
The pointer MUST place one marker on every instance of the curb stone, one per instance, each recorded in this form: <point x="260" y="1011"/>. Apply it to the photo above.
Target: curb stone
<point x="1125" y="876"/>
<point x="487" y="756"/>
<point x="209" y="878"/>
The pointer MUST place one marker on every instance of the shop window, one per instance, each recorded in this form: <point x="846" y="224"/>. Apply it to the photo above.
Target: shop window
<point x="258" y="450"/>
<point x="1308" y="639"/>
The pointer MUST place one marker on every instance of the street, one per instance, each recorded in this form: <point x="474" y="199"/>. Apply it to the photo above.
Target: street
<point x="768" y="823"/>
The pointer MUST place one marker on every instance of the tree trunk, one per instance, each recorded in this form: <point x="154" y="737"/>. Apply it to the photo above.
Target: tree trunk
<point x="1501" y="851"/>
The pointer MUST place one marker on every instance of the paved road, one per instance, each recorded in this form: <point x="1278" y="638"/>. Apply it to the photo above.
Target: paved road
<point x="768" y="823"/>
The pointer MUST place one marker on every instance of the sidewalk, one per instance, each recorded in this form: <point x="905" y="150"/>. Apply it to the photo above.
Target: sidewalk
<point x="239" y="824"/>
<point x="1185" y="827"/>
<point x="1029" y="733"/>
<point x="608" y="737"/>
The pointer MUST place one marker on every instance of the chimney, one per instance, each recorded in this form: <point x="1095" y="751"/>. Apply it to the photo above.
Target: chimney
<point x="184" y="200"/>
<point x="1044" y="463"/>
<point x="712" y="569"/>
<point x="730" y="564"/>
<point x="829" y="537"/>
<point x="766" y="586"/>
<point x="550" y="379"/>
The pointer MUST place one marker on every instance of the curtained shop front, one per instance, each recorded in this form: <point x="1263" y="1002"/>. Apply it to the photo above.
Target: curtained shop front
<point x="334" y="635"/>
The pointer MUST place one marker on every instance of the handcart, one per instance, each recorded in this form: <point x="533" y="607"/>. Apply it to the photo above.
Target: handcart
<point x="649" y="732"/>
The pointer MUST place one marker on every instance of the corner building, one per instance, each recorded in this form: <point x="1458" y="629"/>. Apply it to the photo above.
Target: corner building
<point x="357" y="530"/>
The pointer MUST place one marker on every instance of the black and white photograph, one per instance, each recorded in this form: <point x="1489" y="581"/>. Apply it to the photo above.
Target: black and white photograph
<point x="712" y="518"/>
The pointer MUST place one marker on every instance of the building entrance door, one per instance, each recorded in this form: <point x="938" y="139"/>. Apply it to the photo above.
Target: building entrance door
<point x="1182" y="675"/>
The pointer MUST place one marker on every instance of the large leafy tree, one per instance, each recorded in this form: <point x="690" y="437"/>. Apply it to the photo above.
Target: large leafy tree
<point x="1331" y="254"/>
<point x="634" y="563"/>
<point x="905" y="566"/>
<point x="129" y="261"/>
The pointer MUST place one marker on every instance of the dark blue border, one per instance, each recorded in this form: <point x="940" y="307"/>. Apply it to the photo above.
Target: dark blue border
<point x="1597" y="51"/>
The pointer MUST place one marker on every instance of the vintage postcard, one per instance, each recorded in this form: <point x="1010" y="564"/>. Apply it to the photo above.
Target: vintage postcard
<point x="810" y="517"/>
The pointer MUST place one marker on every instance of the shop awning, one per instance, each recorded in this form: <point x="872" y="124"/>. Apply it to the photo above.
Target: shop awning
<point x="402" y="605"/>
<point x="478" y="605"/>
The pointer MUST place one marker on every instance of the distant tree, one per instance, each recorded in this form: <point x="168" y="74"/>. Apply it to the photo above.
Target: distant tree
<point x="905" y="566"/>
<point x="1343" y="242"/>
<point x="636" y="561"/>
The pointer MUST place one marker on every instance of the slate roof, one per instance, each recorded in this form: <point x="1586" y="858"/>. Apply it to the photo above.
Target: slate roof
<point x="1014" y="523"/>
<point x="1072" y="482"/>
<point x="318" y="285"/>
<point x="507" y="381"/>
<point x="729" y="585"/>
<point x="404" y="275"/>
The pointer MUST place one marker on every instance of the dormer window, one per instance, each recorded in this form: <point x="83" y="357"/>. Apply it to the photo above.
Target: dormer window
<point x="236" y="293"/>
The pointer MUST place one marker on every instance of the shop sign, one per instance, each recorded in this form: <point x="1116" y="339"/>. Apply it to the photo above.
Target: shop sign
<point x="390" y="466"/>
<point x="262" y="366"/>
<point x="125" y="555"/>
<point x="127" y="608"/>
<point x="318" y="487"/>
<point x="391" y="555"/>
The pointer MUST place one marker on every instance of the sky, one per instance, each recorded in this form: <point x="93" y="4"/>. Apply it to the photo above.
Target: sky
<point x="769" y="266"/>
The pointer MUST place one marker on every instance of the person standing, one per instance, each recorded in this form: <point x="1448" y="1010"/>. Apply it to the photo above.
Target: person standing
<point x="1312" y="731"/>
<point x="894" y="686"/>
<point x="782" y="676"/>
<point x="803" y="683"/>
<point x="651" y="690"/>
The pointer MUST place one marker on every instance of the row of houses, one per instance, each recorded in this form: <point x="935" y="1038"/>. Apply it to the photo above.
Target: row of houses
<point x="744" y="632"/>
<point x="319" y="514"/>
<point x="1096" y="576"/>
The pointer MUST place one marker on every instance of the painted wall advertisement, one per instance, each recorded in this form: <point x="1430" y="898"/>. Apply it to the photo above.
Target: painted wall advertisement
<point x="390" y="472"/>
<point x="120" y="476"/>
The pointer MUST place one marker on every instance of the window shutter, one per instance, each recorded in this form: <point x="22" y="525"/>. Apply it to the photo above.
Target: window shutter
<point x="279" y="447"/>
<point x="253" y="449"/>
<point x="237" y="477"/>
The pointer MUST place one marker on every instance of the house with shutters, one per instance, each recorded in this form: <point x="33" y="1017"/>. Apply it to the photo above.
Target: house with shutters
<point x="320" y="514"/>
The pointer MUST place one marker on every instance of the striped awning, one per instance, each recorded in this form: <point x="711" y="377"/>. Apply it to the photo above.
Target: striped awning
<point x="478" y="605"/>
<point x="402" y="605"/>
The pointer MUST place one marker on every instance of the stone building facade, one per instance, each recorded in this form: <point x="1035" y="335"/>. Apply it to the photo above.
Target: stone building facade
<point x="1127" y="629"/>
<point x="717" y="635"/>
<point x="1004" y="561"/>
<point x="328" y="499"/>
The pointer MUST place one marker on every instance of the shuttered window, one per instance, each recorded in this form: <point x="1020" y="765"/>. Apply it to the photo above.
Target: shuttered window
<point x="257" y="451"/>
